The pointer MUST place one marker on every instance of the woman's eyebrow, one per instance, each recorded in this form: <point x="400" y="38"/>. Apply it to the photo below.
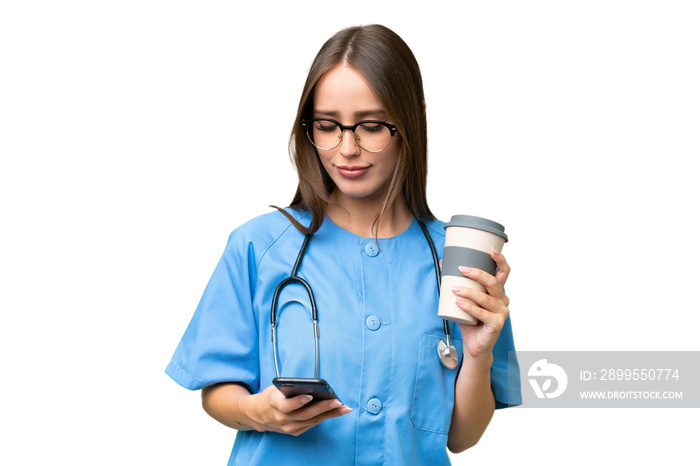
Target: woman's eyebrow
<point x="377" y="112"/>
<point x="361" y="114"/>
<point x="325" y="113"/>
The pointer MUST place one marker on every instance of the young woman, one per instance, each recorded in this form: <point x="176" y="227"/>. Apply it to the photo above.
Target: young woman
<point x="359" y="146"/>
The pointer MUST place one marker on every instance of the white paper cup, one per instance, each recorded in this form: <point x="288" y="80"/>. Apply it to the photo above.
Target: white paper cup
<point x="468" y="242"/>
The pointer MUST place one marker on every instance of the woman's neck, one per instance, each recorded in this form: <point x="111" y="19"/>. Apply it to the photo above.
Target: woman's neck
<point x="358" y="215"/>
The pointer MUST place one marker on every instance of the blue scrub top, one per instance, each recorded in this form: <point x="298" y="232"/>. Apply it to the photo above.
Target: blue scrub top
<point x="378" y="325"/>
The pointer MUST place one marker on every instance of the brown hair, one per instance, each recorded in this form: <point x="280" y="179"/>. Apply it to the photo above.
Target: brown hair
<point x="392" y="71"/>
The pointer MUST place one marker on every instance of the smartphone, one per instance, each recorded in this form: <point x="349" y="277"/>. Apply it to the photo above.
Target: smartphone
<point x="318" y="388"/>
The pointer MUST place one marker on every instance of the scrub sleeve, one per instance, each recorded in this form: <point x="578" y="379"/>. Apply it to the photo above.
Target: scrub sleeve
<point x="221" y="341"/>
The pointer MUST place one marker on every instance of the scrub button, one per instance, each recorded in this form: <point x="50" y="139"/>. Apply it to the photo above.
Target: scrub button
<point x="371" y="249"/>
<point x="374" y="406"/>
<point x="373" y="323"/>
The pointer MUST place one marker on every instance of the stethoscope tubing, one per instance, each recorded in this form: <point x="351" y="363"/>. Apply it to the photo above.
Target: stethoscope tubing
<point x="447" y="355"/>
<point x="438" y="276"/>
<point x="294" y="278"/>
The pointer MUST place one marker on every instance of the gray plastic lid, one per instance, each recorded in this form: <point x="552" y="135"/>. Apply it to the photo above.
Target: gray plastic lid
<point x="469" y="221"/>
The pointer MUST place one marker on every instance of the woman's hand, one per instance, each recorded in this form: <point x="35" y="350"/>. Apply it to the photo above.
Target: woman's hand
<point x="489" y="308"/>
<point x="294" y="416"/>
<point x="232" y="405"/>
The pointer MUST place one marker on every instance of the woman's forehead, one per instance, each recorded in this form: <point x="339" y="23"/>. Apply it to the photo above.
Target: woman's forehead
<point x="345" y="90"/>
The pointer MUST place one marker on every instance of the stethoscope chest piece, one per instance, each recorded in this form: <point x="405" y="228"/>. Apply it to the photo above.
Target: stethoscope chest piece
<point x="447" y="354"/>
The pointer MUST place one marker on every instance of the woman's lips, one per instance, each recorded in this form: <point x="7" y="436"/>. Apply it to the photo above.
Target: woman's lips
<point x="352" y="171"/>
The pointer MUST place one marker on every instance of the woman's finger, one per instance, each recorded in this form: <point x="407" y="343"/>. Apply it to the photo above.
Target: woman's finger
<point x="483" y="300"/>
<point x="337" y="411"/>
<point x="288" y="405"/>
<point x="297" y="427"/>
<point x="503" y="268"/>
<point x="492" y="285"/>
<point x="314" y="410"/>
<point x="493" y="320"/>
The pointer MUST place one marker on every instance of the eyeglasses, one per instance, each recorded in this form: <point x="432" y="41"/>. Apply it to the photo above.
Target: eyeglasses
<point x="370" y="135"/>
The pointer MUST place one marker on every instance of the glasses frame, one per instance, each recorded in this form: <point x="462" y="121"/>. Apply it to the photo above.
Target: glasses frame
<point x="306" y="124"/>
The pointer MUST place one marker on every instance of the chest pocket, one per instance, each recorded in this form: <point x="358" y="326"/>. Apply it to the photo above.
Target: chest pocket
<point x="434" y="390"/>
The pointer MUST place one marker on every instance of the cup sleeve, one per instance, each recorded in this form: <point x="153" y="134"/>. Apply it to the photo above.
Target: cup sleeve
<point x="220" y="343"/>
<point x="505" y="372"/>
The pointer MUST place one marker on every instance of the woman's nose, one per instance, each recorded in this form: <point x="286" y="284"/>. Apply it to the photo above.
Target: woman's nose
<point x="348" y="144"/>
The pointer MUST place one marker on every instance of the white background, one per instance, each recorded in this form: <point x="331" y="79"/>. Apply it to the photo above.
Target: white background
<point x="135" y="135"/>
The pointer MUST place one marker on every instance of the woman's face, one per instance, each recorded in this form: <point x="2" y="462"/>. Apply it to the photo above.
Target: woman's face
<point x="344" y="95"/>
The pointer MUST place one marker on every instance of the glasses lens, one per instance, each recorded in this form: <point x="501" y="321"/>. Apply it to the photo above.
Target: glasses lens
<point x="372" y="137"/>
<point x="324" y="134"/>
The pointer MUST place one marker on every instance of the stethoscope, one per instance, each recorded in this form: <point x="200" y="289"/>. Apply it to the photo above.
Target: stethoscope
<point x="445" y="349"/>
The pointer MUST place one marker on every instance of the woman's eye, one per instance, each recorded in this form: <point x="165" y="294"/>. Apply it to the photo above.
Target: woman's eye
<point x="325" y="127"/>
<point x="372" y="127"/>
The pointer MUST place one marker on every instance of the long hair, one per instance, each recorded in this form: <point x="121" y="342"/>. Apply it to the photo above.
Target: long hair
<point x="392" y="71"/>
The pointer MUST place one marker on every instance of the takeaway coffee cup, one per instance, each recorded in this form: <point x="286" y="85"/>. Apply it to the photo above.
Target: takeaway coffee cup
<point x="468" y="242"/>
